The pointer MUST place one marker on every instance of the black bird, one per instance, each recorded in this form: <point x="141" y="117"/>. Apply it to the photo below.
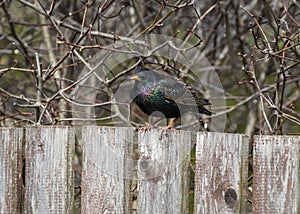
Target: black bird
<point x="154" y="92"/>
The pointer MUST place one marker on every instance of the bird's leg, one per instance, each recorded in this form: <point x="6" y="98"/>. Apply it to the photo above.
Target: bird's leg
<point x="172" y="123"/>
<point x="170" y="126"/>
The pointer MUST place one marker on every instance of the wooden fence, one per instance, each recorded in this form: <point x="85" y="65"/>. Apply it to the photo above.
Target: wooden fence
<point x="128" y="172"/>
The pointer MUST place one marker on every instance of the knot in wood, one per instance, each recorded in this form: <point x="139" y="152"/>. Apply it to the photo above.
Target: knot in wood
<point x="144" y="165"/>
<point x="230" y="197"/>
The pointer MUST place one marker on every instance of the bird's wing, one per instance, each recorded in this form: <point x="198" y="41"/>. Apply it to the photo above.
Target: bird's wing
<point x="178" y="92"/>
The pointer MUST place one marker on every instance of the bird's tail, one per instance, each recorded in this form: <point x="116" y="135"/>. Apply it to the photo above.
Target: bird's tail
<point x="202" y="101"/>
<point x="203" y="110"/>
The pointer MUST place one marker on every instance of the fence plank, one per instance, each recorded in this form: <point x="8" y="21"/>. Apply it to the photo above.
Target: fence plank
<point x="107" y="165"/>
<point x="221" y="173"/>
<point x="10" y="170"/>
<point x="276" y="174"/>
<point x="49" y="153"/>
<point x="163" y="172"/>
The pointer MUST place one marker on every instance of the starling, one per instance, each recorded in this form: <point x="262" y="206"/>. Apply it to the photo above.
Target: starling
<point x="157" y="94"/>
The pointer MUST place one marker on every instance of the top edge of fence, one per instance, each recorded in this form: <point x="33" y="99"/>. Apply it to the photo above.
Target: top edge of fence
<point x="222" y="133"/>
<point x="10" y="128"/>
<point x="49" y="127"/>
<point x="38" y="126"/>
<point x="158" y="129"/>
<point x="257" y="137"/>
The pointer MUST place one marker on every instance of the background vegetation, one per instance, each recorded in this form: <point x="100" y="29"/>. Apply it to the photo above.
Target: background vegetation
<point x="252" y="45"/>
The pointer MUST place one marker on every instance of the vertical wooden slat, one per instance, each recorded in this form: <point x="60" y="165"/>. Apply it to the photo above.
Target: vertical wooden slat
<point x="106" y="167"/>
<point x="163" y="172"/>
<point x="276" y="174"/>
<point x="49" y="153"/>
<point x="221" y="173"/>
<point x="10" y="170"/>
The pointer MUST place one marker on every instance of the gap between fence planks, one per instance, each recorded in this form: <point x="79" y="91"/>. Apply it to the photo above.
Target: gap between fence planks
<point x="109" y="166"/>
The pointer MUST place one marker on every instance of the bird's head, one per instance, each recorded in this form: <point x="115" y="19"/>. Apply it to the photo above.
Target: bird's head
<point x="146" y="75"/>
<point x="145" y="79"/>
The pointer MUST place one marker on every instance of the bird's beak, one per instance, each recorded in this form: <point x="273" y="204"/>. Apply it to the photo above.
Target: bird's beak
<point x="136" y="77"/>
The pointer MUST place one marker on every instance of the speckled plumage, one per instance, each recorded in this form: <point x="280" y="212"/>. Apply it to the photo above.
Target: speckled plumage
<point x="154" y="93"/>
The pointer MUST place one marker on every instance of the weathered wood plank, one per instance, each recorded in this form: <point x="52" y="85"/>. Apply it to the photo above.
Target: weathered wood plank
<point x="163" y="179"/>
<point x="107" y="165"/>
<point x="221" y="173"/>
<point x="276" y="174"/>
<point x="10" y="170"/>
<point x="49" y="170"/>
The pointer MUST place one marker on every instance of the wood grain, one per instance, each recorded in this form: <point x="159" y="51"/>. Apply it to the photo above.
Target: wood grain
<point x="221" y="173"/>
<point x="276" y="174"/>
<point x="106" y="172"/>
<point x="10" y="170"/>
<point x="49" y="153"/>
<point x="163" y="172"/>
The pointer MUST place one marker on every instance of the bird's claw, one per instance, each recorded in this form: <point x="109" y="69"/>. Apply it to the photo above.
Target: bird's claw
<point x="145" y="128"/>
<point x="164" y="131"/>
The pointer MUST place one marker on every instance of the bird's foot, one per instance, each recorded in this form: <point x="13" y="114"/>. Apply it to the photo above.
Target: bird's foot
<point x="163" y="131"/>
<point x="145" y="128"/>
<point x="170" y="126"/>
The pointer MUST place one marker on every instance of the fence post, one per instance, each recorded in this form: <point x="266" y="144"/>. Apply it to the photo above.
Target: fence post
<point x="49" y="153"/>
<point x="10" y="170"/>
<point x="163" y="179"/>
<point x="106" y="169"/>
<point x="276" y="174"/>
<point x="221" y="173"/>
